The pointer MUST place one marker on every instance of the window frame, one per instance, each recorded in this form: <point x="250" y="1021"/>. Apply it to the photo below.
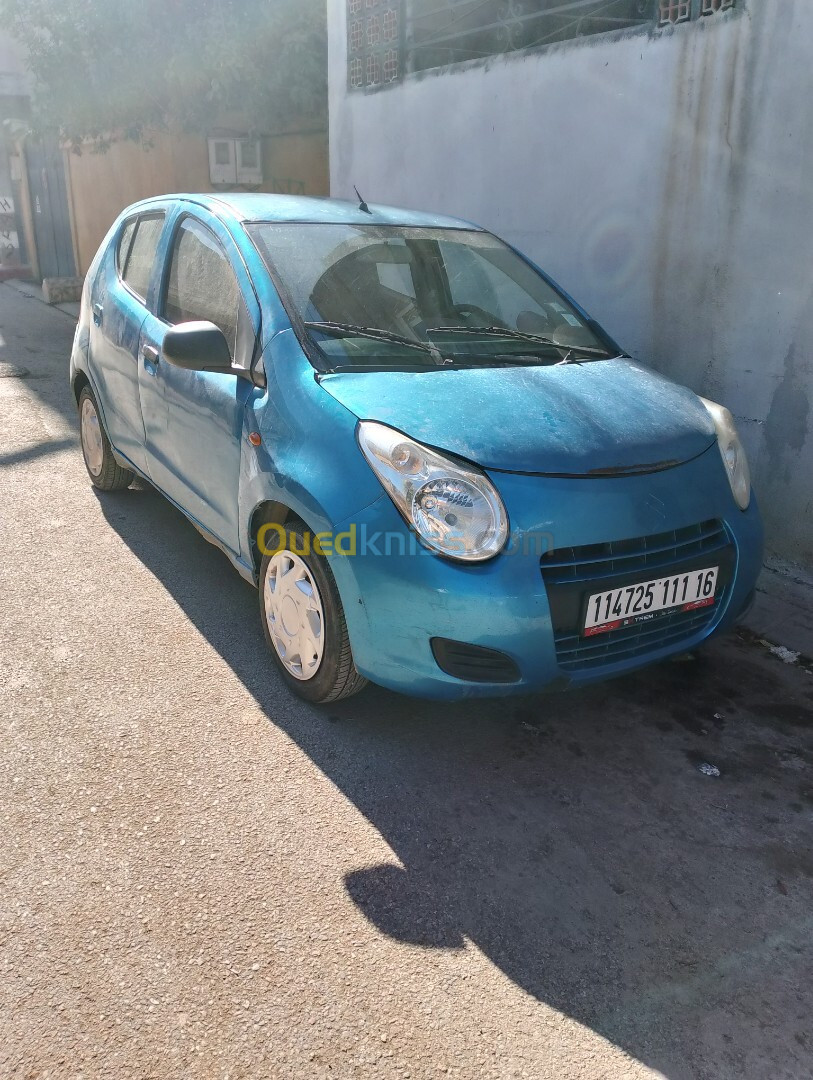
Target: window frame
<point x="156" y="214"/>
<point x="242" y="306"/>
<point x="121" y="263"/>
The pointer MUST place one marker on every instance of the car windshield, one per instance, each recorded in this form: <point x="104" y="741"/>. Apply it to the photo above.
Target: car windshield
<point x="381" y="297"/>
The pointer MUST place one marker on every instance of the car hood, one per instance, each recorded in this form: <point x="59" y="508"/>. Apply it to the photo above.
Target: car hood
<point x="602" y="417"/>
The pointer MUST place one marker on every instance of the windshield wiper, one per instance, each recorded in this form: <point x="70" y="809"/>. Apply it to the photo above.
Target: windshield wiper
<point x="340" y="329"/>
<point x="519" y="335"/>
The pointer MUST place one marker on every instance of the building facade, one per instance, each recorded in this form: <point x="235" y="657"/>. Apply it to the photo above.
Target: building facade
<point x="14" y="108"/>
<point x="653" y="155"/>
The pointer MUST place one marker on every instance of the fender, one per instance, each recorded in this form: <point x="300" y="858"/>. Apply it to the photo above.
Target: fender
<point x="317" y="478"/>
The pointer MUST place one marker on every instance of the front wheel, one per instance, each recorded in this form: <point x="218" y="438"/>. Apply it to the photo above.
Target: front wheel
<point x="304" y="623"/>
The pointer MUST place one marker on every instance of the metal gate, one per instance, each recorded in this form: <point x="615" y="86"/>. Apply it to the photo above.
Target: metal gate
<point x="49" y="208"/>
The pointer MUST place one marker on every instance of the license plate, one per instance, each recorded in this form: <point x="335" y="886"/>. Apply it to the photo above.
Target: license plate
<point x="647" y="600"/>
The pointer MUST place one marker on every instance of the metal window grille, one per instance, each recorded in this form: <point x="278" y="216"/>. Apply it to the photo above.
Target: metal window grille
<point x="373" y="70"/>
<point x="414" y="35"/>
<point x="450" y="31"/>
<point x="374" y="39"/>
<point x="390" y="25"/>
<point x="675" y="11"/>
<point x="391" y="65"/>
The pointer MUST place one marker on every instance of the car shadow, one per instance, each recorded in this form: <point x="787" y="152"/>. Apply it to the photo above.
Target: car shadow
<point x="572" y="838"/>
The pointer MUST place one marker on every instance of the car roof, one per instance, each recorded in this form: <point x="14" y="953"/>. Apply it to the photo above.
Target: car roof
<point x="250" y="207"/>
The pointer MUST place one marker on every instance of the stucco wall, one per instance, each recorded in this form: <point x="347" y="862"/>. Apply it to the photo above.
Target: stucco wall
<point x="663" y="177"/>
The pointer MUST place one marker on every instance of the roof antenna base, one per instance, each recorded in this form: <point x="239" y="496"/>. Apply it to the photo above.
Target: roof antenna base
<point x="365" y="209"/>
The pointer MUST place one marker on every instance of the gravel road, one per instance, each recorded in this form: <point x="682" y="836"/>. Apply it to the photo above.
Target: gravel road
<point x="201" y="877"/>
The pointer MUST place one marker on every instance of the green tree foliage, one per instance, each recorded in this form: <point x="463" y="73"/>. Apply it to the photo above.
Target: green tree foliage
<point x="124" y="67"/>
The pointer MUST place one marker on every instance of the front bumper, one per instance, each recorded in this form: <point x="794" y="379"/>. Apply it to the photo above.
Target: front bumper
<point x="398" y="597"/>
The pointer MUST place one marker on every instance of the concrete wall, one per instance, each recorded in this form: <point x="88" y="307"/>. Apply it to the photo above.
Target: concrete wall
<point x="665" y="178"/>
<point x="101" y="185"/>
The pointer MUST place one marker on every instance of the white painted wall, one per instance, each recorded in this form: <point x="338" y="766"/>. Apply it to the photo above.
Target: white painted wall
<point x="665" y="178"/>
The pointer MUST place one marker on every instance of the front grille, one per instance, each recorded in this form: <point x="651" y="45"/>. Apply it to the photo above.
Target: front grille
<point x="596" y="561"/>
<point x="571" y="574"/>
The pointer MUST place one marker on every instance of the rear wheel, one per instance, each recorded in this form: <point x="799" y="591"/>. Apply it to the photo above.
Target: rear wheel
<point x="304" y="623"/>
<point x="104" y="471"/>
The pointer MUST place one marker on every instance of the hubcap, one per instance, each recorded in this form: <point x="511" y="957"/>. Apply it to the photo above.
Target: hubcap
<point x="92" y="437"/>
<point x="296" y="619"/>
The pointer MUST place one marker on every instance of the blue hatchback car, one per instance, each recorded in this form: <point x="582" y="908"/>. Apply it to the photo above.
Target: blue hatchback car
<point x="440" y="472"/>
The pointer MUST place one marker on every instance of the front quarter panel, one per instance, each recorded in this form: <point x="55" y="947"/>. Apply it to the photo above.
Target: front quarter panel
<point x="309" y="458"/>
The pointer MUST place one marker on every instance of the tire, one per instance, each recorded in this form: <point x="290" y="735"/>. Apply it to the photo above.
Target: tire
<point x="104" y="471"/>
<point x="303" y="621"/>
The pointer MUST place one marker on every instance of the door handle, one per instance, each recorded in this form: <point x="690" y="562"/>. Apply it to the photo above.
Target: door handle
<point x="98" y="311"/>
<point x="151" y="355"/>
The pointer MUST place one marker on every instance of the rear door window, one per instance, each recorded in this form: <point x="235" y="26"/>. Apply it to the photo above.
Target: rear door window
<point x="141" y="255"/>
<point x="202" y="284"/>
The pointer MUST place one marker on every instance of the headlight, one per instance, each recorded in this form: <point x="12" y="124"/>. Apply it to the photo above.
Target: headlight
<point x="733" y="454"/>
<point x="453" y="507"/>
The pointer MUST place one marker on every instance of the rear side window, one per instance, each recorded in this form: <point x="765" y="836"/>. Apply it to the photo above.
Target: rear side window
<point x="202" y="284"/>
<point x="141" y="255"/>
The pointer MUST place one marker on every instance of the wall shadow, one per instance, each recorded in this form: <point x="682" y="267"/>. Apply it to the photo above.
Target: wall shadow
<point x="35" y="350"/>
<point x="571" y="837"/>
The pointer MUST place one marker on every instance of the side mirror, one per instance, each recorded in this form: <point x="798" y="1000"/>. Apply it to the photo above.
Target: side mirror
<point x="197" y="346"/>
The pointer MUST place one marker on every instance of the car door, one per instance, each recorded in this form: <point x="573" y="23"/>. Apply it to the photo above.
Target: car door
<point x="194" y="420"/>
<point x="119" y="308"/>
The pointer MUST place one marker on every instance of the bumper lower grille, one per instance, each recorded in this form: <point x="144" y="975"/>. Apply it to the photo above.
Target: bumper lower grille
<point x="572" y="574"/>
<point x="473" y="663"/>
<point x="576" y="653"/>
